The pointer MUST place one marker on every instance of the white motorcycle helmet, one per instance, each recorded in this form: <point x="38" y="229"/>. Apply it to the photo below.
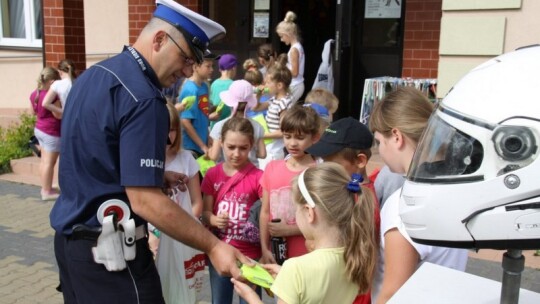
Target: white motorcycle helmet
<point x="474" y="181"/>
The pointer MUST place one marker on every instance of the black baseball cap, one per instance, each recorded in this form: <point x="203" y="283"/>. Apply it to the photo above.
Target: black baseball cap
<point x="343" y="133"/>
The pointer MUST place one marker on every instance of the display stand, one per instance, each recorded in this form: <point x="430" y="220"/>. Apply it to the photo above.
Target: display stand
<point x="376" y="88"/>
<point x="513" y="264"/>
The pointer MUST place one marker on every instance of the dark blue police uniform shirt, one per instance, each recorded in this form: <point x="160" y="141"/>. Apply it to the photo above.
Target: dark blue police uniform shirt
<point x="114" y="133"/>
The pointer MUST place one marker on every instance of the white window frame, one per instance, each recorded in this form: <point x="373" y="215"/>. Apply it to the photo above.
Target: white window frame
<point x="30" y="30"/>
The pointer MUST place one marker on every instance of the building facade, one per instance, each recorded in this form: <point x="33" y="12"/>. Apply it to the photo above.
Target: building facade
<point x="441" y="39"/>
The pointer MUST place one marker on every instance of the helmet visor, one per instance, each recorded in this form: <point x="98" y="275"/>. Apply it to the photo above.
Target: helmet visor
<point x="446" y="155"/>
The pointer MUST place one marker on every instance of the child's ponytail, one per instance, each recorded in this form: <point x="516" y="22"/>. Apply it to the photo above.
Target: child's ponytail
<point x="47" y="74"/>
<point x="360" y="242"/>
<point x="68" y="66"/>
<point x="288" y="26"/>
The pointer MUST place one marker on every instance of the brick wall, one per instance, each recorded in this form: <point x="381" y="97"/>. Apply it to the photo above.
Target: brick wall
<point x="421" y="41"/>
<point x="64" y="32"/>
<point x="140" y="11"/>
<point x="64" y="35"/>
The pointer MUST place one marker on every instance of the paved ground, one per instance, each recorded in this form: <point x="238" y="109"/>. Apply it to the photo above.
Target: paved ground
<point x="28" y="269"/>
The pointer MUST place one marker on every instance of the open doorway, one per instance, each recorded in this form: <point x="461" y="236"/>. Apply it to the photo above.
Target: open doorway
<point x="317" y="20"/>
<point x="370" y="45"/>
<point x="369" y="36"/>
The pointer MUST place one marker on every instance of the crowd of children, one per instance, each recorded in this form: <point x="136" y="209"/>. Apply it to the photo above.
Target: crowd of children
<point x="284" y="168"/>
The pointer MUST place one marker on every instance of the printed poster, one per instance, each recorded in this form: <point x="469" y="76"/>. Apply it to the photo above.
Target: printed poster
<point x="262" y="4"/>
<point x="261" y="25"/>
<point x="383" y="9"/>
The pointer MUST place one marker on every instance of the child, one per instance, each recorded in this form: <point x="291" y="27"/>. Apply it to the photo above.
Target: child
<point x="348" y="142"/>
<point x="386" y="183"/>
<point x="323" y="114"/>
<point x="195" y="119"/>
<point x="60" y="88"/>
<point x="277" y="80"/>
<point x="250" y="65"/>
<point x="283" y="59"/>
<point x="227" y="67"/>
<point x="180" y="267"/>
<point x="256" y="79"/>
<point x="266" y="56"/>
<point x="289" y="34"/>
<point x="230" y="189"/>
<point x="336" y="213"/>
<point x="300" y="127"/>
<point x="325" y="98"/>
<point x="240" y="98"/>
<point x="398" y="121"/>
<point x="47" y="132"/>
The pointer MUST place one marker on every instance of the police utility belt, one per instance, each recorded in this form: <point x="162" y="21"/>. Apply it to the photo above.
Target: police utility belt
<point x="115" y="238"/>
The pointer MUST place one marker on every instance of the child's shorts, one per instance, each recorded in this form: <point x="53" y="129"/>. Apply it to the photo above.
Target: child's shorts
<point x="47" y="142"/>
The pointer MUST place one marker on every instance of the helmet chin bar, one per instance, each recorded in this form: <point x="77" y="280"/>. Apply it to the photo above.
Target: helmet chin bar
<point x="523" y="215"/>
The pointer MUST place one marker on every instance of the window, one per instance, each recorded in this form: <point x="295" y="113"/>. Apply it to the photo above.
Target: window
<point x="21" y="23"/>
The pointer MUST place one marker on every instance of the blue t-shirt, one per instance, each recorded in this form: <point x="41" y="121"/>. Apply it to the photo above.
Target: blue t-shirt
<point x="218" y="86"/>
<point x="250" y="113"/>
<point x="114" y="133"/>
<point x="197" y="113"/>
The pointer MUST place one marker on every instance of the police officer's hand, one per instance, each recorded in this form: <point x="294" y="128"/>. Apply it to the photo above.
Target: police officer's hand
<point x="176" y="180"/>
<point x="224" y="258"/>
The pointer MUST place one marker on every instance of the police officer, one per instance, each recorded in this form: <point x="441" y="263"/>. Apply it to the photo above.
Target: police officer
<point x="114" y="133"/>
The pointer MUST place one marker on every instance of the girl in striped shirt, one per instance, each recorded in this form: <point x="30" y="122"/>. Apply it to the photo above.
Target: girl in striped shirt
<point x="277" y="80"/>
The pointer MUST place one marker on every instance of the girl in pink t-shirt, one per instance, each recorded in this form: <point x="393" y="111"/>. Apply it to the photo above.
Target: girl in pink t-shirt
<point x="47" y="131"/>
<point x="300" y="128"/>
<point x="230" y="189"/>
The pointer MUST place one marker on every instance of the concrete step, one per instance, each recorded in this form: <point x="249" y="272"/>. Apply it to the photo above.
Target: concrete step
<point x="26" y="166"/>
<point x="26" y="171"/>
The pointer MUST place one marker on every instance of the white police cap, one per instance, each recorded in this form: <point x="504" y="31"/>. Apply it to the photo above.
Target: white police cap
<point x="198" y="30"/>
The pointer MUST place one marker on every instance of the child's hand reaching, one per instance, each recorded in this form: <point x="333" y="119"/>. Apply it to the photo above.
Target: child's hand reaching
<point x="176" y="180"/>
<point x="246" y="292"/>
<point x="273" y="269"/>
<point x="280" y="229"/>
<point x="221" y="220"/>
<point x="213" y="116"/>
<point x="185" y="104"/>
<point x="267" y="257"/>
